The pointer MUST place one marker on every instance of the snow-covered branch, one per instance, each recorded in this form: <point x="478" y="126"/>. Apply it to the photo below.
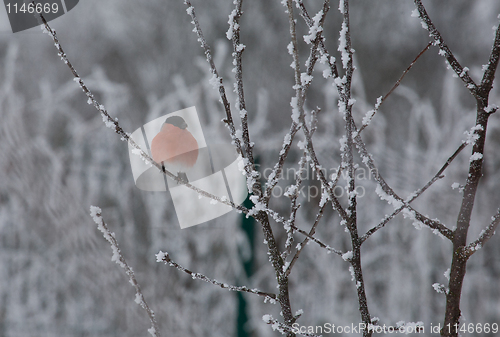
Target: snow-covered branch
<point x="444" y="50"/>
<point x="164" y="257"/>
<point x="96" y="214"/>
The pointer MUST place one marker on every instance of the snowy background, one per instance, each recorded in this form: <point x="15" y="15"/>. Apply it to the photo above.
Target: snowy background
<point x="141" y="60"/>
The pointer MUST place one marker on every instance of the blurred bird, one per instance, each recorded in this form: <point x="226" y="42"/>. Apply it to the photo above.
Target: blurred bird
<point x="175" y="146"/>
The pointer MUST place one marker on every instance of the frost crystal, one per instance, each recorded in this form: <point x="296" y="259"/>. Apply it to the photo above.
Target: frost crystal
<point x="295" y="110"/>
<point x="233" y="26"/>
<point x="464" y="72"/>
<point x="472" y="135"/>
<point x="447" y="274"/>
<point x="343" y="45"/>
<point x="347" y="256"/>
<point x="351" y="270"/>
<point x="389" y="198"/>
<point x="491" y="108"/>
<point x="315" y="28"/>
<point x="95" y="213"/>
<point x="476" y="156"/>
<point x="305" y="78"/>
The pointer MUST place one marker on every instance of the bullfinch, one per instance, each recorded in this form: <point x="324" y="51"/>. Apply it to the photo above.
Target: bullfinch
<point x="175" y="147"/>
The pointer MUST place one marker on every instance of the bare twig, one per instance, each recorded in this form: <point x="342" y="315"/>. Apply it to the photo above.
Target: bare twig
<point x="370" y="114"/>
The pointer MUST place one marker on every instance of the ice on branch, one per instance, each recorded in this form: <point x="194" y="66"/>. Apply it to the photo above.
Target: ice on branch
<point x="233" y="26"/>
<point x="315" y="28"/>
<point x="389" y="198"/>
<point x="353" y="275"/>
<point x="95" y="213"/>
<point x="305" y="79"/>
<point x="143" y="156"/>
<point x="472" y="135"/>
<point x="491" y="108"/>
<point x="464" y="72"/>
<point x="295" y="109"/>
<point x="215" y="81"/>
<point x="347" y="256"/>
<point x="368" y="117"/>
<point x="343" y="45"/>
<point x="341" y="6"/>
<point x="440" y="288"/>
<point x="476" y="156"/>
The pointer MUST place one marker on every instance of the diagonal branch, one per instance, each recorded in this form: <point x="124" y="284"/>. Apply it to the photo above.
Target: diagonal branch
<point x="164" y="257"/>
<point x="370" y="114"/>
<point x="301" y="245"/>
<point x="96" y="214"/>
<point x="415" y="195"/>
<point x="485" y="235"/>
<point x="444" y="50"/>
<point x="113" y="124"/>
<point x="234" y="34"/>
<point x="388" y="194"/>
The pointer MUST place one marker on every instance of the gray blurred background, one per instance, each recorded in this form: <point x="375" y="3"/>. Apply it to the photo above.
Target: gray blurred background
<point x="141" y="60"/>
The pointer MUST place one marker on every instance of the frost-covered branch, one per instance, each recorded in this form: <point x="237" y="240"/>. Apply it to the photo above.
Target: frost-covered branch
<point x="302" y="83"/>
<point x="301" y="245"/>
<point x="491" y="67"/>
<point x="113" y="124"/>
<point x="233" y="34"/>
<point x="216" y="79"/>
<point x="416" y="194"/>
<point x="385" y="192"/>
<point x="485" y="235"/>
<point x="164" y="257"/>
<point x="96" y="214"/>
<point x="325" y="56"/>
<point x="345" y="108"/>
<point x="320" y="243"/>
<point x="273" y="177"/>
<point x="444" y="50"/>
<point x="459" y="260"/>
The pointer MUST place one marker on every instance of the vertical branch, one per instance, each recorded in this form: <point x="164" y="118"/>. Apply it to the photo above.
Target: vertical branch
<point x="233" y="34"/>
<point x="345" y="107"/>
<point x="460" y="252"/>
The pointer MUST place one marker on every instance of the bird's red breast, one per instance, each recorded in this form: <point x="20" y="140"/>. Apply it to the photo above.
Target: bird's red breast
<point x="174" y="145"/>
